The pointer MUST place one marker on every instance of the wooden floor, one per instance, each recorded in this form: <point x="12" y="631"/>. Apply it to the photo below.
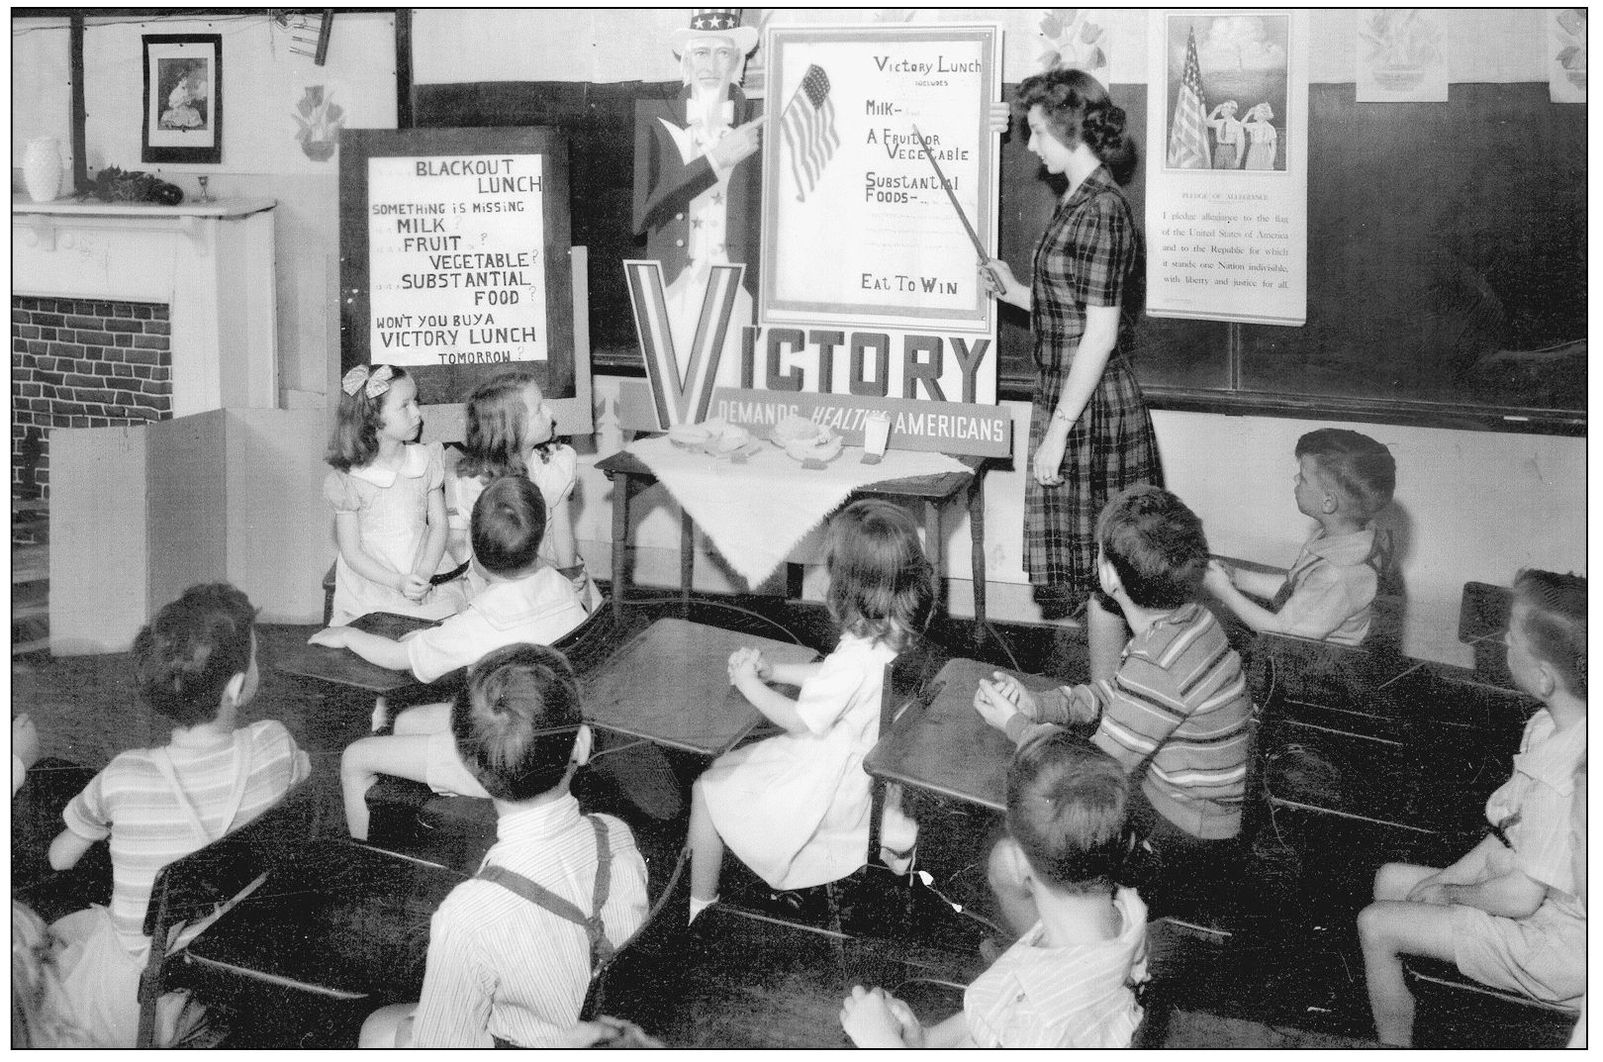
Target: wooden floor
<point x="769" y="970"/>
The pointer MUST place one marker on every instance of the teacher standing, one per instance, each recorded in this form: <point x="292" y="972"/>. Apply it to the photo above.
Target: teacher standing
<point x="1090" y="434"/>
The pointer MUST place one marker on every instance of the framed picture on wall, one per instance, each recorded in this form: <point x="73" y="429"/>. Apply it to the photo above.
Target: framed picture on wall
<point x="183" y="98"/>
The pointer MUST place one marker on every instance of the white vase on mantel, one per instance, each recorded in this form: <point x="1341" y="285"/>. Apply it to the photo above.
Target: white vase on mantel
<point x="41" y="169"/>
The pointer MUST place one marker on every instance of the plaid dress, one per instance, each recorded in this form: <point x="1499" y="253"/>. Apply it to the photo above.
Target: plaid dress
<point x="1084" y="259"/>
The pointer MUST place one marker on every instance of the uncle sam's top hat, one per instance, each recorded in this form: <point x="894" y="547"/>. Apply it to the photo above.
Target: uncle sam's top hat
<point x="715" y="22"/>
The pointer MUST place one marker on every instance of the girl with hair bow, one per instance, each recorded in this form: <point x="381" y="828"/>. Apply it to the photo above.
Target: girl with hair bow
<point x="388" y="495"/>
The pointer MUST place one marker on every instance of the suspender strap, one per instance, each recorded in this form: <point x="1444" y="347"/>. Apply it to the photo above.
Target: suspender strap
<point x="163" y="762"/>
<point x="600" y="947"/>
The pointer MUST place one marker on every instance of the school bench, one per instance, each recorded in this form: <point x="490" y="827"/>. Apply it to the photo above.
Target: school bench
<point x="1371" y="758"/>
<point x="35" y="821"/>
<point x="408" y="816"/>
<point x="1453" y="1011"/>
<point x="315" y="931"/>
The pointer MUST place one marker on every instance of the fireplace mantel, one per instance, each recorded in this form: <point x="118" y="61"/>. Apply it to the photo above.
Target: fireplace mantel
<point x="211" y="263"/>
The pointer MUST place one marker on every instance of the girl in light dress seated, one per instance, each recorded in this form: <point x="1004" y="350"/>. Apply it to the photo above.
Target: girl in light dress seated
<point x="511" y="432"/>
<point x="795" y="808"/>
<point x="389" y="502"/>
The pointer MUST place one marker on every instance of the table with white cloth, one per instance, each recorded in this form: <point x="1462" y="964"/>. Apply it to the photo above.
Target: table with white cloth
<point x="754" y="513"/>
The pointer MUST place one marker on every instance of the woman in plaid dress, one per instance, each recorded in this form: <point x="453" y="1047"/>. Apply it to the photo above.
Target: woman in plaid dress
<point x="1090" y="434"/>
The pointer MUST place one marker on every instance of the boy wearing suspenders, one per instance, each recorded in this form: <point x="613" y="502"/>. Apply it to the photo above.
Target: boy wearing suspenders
<point x="511" y="950"/>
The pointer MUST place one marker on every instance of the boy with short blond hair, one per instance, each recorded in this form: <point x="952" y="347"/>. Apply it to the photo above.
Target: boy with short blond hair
<point x="1070" y="980"/>
<point x="1344" y="478"/>
<point x="1509" y="913"/>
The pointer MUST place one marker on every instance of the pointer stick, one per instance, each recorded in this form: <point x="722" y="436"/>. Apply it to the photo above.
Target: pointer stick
<point x="979" y="248"/>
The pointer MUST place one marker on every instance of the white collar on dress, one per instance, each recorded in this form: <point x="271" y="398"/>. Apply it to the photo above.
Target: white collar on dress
<point x="414" y="463"/>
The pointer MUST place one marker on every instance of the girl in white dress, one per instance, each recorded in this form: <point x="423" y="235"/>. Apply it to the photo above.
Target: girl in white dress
<point x="795" y="808"/>
<point x="1262" y="138"/>
<point x="511" y="432"/>
<point x="388" y="499"/>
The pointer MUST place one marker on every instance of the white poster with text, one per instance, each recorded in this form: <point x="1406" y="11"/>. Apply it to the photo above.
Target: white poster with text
<point x="1227" y="169"/>
<point x="456" y="248"/>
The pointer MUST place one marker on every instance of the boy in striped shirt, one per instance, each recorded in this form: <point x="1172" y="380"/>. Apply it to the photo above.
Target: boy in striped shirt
<point x="195" y="663"/>
<point x="1070" y="980"/>
<point x="1176" y="713"/>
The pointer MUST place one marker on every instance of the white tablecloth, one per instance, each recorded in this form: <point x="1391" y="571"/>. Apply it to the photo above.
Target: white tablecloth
<point x="755" y="513"/>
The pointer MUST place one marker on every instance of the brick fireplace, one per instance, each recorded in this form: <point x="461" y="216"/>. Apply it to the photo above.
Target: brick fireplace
<point x="127" y="313"/>
<point x="78" y="363"/>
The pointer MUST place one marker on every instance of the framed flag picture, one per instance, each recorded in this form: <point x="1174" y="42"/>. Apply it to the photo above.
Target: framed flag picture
<point x="1227" y="176"/>
<point x="183" y="113"/>
<point x="879" y="176"/>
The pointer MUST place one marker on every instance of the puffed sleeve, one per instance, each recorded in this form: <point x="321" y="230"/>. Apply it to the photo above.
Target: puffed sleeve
<point x="340" y="490"/>
<point x="435" y="472"/>
<point x="1105" y="251"/>
<point x="831" y="689"/>
<point x="555" y="476"/>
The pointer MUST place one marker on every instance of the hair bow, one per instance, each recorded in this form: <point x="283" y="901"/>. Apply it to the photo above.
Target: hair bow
<point x="377" y="380"/>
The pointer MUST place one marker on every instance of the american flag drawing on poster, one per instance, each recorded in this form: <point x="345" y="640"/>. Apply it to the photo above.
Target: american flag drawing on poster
<point x="809" y="129"/>
<point x="1188" y="128"/>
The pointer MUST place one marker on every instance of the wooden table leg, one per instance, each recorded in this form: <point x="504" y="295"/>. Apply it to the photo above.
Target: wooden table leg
<point x="620" y="539"/>
<point x="976" y="532"/>
<point x="687" y="558"/>
<point x="937" y="554"/>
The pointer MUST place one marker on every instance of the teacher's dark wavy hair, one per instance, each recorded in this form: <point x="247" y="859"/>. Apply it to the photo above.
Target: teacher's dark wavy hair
<point x="1077" y="108"/>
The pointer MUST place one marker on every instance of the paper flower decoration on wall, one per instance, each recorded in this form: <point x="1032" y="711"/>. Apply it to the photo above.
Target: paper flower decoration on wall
<point x="1572" y="56"/>
<point x="1074" y="41"/>
<point x="320" y="120"/>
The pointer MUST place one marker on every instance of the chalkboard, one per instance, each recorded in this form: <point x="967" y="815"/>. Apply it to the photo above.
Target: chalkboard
<point x="1447" y="256"/>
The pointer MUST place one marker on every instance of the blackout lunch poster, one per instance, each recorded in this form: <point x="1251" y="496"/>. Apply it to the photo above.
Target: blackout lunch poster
<point x="456" y="247"/>
<point x="857" y="228"/>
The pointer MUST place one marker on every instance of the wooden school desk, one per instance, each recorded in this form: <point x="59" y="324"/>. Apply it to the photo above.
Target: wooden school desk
<point x="632" y="476"/>
<point x="671" y="685"/>
<point x="344" y="668"/>
<point x="947" y="748"/>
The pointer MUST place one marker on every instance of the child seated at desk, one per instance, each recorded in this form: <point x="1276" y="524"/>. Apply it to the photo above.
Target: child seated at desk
<point x="1069" y="980"/>
<point x="511" y="432"/>
<point x="512" y="949"/>
<point x="795" y="808"/>
<point x="1509" y="913"/>
<point x="1175" y="716"/>
<point x="523" y="601"/>
<point x="196" y="664"/>
<point x="1343" y="479"/>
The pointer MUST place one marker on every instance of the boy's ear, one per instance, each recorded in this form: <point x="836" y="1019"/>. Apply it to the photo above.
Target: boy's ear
<point x="583" y="741"/>
<point x="1329" y="503"/>
<point x="1546" y="679"/>
<point x="1108" y="573"/>
<point x="235" y="687"/>
<point x="1011" y="861"/>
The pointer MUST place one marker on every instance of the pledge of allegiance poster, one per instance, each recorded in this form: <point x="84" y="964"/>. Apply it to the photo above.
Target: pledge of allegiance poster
<point x="455" y="246"/>
<point x="857" y="230"/>
<point x="1227" y="166"/>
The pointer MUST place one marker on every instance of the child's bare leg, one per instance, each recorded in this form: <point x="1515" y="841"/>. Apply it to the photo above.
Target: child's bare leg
<point x="363" y="761"/>
<point x="1105" y="638"/>
<point x="1008" y="874"/>
<point x="706" y="848"/>
<point x="1389" y="929"/>
<point x="1395" y="881"/>
<point x="424" y="719"/>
